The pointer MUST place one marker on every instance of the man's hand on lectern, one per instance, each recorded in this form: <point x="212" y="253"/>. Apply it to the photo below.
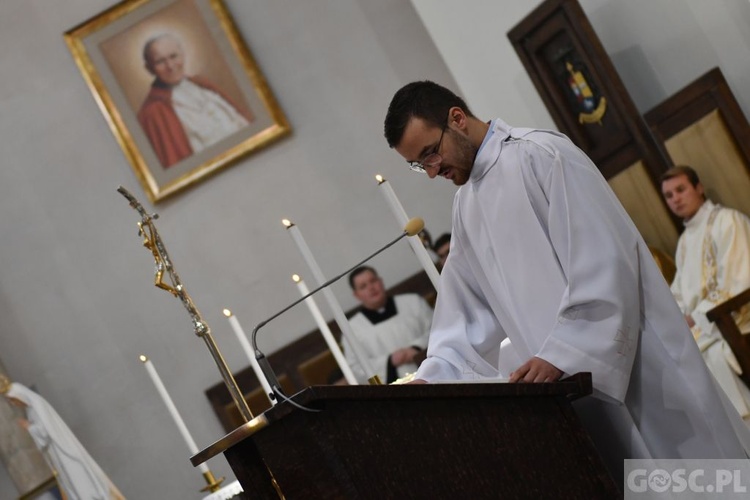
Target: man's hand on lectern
<point x="417" y="381"/>
<point x="536" y="370"/>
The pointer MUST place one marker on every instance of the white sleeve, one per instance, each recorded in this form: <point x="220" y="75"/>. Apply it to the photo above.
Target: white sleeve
<point x="465" y="337"/>
<point x="598" y="319"/>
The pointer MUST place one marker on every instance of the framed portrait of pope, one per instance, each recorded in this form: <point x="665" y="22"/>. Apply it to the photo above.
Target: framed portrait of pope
<point x="178" y="87"/>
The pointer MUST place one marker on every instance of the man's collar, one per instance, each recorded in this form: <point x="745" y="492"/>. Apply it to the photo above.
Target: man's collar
<point x="387" y="312"/>
<point x="486" y="156"/>
<point x="700" y="215"/>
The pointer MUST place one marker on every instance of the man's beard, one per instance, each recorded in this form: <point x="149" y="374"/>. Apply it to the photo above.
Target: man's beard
<point x="465" y="153"/>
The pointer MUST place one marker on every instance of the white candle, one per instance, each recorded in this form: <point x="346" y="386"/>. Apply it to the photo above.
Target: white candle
<point x="327" y="335"/>
<point x="402" y="218"/>
<point x="240" y="333"/>
<point x="172" y="409"/>
<point x="390" y="196"/>
<point x="338" y="312"/>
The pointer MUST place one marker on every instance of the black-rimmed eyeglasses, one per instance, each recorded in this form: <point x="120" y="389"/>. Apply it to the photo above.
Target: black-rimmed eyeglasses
<point x="433" y="159"/>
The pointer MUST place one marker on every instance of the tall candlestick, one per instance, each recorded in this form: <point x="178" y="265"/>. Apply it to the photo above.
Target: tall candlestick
<point x="327" y="335"/>
<point x="338" y="312"/>
<point x="402" y="218"/>
<point x="240" y="333"/>
<point x="172" y="409"/>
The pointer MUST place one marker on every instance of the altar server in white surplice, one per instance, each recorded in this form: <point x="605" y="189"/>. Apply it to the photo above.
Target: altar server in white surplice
<point x="713" y="265"/>
<point x="543" y="254"/>
<point x="392" y="331"/>
<point x="79" y="476"/>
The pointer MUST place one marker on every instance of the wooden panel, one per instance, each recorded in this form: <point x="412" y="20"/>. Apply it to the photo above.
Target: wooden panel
<point x="708" y="146"/>
<point x="582" y="90"/>
<point x="645" y="206"/>
<point x="703" y="126"/>
<point x="727" y="316"/>
<point x="320" y="369"/>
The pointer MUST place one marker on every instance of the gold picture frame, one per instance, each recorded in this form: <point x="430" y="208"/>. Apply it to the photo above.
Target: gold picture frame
<point x="190" y="104"/>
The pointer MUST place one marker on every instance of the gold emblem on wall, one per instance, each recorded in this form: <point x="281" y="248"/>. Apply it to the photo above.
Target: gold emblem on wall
<point x="591" y="107"/>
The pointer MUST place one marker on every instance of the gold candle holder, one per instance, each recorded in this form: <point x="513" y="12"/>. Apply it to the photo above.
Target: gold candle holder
<point x="213" y="484"/>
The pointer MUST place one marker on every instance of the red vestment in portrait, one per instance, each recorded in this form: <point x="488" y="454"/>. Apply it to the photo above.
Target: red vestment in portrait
<point x="162" y="126"/>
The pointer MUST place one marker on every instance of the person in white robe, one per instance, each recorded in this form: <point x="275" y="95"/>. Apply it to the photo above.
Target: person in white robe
<point x="79" y="476"/>
<point x="543" y="254"/>
<point x="713" y="265"/>
<point x="391" y="330"/>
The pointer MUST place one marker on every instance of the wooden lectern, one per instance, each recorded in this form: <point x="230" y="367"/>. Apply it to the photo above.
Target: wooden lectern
<point x="463" y="440"/>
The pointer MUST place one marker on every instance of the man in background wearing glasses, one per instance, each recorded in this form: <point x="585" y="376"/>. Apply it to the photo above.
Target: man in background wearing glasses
<point x="544" y="255"/>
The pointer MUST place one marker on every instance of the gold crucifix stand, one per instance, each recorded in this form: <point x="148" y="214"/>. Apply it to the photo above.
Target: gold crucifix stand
<point x="152" y="241"/>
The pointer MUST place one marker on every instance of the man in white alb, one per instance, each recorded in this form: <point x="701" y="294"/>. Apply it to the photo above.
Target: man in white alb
<point x="183" y="115"/>
<point x="391" y="331"/>
<point x="543" y="254"/>
<point x="713" y="265"/>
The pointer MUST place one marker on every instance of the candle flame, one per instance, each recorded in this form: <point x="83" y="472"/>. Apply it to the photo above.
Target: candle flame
<point x="380" y="179"/>
<point x="287" y="223"/>
<point x="296" y="278"/>
<point x="227" y="313"/>
<point x="143" y="358"/>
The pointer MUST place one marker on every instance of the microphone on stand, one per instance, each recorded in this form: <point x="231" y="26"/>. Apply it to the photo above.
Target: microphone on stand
<point x="412" y="227"/>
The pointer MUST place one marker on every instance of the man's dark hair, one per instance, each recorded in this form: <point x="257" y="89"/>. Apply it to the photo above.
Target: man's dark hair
<point x="426" y="100"/>
<point x="679" y="170"/>
<point x="442" y="240"/>
<point x="357" y="272"/>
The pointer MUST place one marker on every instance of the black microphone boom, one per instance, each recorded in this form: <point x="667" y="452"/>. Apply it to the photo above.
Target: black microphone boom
<point x="413" y="226"/>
